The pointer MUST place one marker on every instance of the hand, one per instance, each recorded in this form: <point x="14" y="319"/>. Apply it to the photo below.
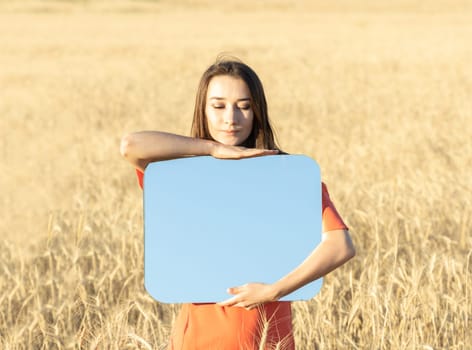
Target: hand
<point x="222" y="151"/>
<point x="250" y="295"/>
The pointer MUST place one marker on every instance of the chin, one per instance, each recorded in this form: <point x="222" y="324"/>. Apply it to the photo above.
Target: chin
<point x="231" y="142"/>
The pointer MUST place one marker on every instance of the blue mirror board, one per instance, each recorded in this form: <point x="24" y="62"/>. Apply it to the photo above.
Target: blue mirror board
<point x="211" y="224"/>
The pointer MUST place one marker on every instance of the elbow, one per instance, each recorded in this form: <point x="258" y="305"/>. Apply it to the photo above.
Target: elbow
<point x="125" y="145"/>
<point x="350" y="252"/>
<point x="349" y="249"/>
<point x="341" y="245"/>
<point x="128" y="150"/>
<point x="345" y="247"/>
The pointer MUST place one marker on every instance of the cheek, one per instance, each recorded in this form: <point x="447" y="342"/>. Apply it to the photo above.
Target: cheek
<point x="210" y="118"/>
<point x="250" y="120"/>
<point x="211" y="122"/>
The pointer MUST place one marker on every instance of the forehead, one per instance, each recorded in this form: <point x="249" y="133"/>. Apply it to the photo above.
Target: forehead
<point x="225" y="86"/>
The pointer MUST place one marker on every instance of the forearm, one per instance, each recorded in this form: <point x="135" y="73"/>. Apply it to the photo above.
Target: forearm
<point x="335" y="249"/>
<point x="141" y="148"/>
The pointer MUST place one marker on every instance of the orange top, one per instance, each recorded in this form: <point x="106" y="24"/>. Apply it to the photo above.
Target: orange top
<point x="209" y="326"/>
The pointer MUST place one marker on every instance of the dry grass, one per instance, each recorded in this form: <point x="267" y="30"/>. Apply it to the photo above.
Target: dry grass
<point x="379" y="95"/>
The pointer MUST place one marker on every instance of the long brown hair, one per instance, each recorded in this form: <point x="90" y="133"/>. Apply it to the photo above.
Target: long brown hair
<point x="261" y="135"/>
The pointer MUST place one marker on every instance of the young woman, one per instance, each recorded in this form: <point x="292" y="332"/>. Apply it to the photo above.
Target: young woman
<point x="231" y="121"/>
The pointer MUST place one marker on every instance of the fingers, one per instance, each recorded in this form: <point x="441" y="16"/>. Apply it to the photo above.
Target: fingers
<point x="255" y="152"/>
<point x="234" y="290"/>
<point x="245" y="305"/>
<point x="229" y="302"/>
<point x="264" y="151"/>
<point x="238" y="152"/>
<point x="247" y="296"/>
<point x="233" y="302"/>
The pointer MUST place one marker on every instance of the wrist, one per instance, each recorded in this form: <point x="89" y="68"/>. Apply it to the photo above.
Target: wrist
<point x="275" y="291"/>
<point x="207" y="147"/>
<point x="210" y="147"/>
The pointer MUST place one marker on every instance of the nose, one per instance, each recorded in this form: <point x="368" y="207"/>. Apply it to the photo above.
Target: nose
<point x="230" y="116"/>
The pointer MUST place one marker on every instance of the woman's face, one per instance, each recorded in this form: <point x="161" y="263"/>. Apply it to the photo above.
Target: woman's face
<point x="228" y="110"/>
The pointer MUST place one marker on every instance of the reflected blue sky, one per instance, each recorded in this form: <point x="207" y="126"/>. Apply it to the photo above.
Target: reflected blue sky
<point x="210" y="224"/>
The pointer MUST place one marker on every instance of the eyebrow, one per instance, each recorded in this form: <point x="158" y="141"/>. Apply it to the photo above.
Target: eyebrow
<point x="223" y="98"/>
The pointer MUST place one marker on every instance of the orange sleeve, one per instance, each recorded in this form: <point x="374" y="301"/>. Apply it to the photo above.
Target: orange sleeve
<point x="330" y="218"/>
<point x="140" y="175"/>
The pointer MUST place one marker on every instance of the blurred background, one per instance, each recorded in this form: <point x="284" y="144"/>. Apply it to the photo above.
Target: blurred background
<point x="379" y="93"/>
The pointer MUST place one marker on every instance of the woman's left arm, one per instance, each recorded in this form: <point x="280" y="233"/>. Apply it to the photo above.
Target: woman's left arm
<point x="334" y="250"/>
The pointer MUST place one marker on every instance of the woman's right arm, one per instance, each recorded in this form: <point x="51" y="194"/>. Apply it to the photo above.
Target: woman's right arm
<point x="143" y="147"/>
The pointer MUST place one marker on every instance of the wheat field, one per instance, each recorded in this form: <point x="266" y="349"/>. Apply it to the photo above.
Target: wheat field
<point x="380" y="94"/>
